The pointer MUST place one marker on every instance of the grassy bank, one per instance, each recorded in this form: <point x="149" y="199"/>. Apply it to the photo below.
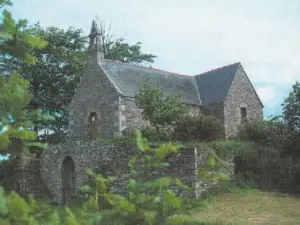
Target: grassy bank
<point x="252" y="207"/>
<point x="240" y="207"/>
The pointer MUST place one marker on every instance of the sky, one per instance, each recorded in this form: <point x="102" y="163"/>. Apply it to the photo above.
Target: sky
<point x="193" y="36"/>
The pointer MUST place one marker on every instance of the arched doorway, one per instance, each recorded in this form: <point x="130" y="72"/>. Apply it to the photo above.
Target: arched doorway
<point x="68" y="179"/>
<point x="92" y="124"/>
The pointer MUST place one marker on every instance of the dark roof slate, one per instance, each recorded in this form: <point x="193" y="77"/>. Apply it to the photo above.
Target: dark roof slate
<point x="204" y="89"/>
<point x="215" y="84"/>
<point x="129" y="78"/>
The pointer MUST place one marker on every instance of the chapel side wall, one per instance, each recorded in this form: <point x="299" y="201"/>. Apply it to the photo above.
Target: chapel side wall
<point x="131" y="115"/>
<point x="195" y="110"/>
<point x="96" y="93"/>
<point x="216" y="110"/>
<point x="241" y="94"/>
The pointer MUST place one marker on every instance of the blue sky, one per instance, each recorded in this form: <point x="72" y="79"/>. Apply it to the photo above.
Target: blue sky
<point x="193" y="36"/>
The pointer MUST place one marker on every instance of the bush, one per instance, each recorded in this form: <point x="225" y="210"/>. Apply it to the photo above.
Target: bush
<point x="129" y="132"/>
<point x="292" y="146"/>
<point x="272" y="133"/>
<point x="265" y="166"/>
<point x="228" y="149"/>
<point x="201" y="128"/>
<point x="161" y="133"/>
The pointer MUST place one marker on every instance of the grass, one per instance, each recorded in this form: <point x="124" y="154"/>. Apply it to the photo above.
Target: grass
<point x="241" y="206"/>
<point x="252" y="207"/>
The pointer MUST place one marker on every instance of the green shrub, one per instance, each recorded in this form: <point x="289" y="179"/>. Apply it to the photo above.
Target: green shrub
<point x="265" y="166"/>
<point x="129" y="132"/>
<point x="228" y="149"/>
<point x="201" y="128"/>
<point x="160" y="133"/>
<point x="293" y="145"/>
<point x="269" y="132"/>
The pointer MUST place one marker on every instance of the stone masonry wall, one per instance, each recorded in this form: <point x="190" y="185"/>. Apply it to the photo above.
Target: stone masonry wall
<point x="131" y="115"/>
<point x="96" y="93"/>
<point x="108" y="158"/>
<point x="22" y="175"/>
<point x="241" y="94"/>
<point x="195" y="110"/>
<point x="216" y="110"/>
<point x="201" y="185"/>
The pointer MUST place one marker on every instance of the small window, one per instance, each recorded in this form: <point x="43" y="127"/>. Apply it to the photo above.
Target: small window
<point x="244" y="114"/>
<point x="93" y="124"/>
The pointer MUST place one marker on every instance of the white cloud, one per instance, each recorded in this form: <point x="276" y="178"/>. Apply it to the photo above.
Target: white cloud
<point x="268" y="96"/>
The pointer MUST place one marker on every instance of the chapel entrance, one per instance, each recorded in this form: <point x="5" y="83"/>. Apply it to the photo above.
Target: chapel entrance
<point x="68" y="179"/>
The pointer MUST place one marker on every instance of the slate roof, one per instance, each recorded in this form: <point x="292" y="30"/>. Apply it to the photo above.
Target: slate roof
<point x="215" y="84"/>
<point x="129" y="78"/>
<point x="203" y="89"/>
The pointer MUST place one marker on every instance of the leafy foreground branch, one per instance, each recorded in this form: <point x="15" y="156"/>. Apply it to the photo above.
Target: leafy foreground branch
<point x="145" y="193"/>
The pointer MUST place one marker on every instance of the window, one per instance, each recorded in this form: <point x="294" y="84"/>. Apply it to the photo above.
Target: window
<point x="244" y="114"/>
<point x="93" y="124"/>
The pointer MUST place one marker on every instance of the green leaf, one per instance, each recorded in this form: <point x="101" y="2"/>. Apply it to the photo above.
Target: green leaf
<point x="139" y="141"/>
<point x="35" y="42"/>
<point x="157" y="199"/>
<point x="86" y="188"/>
<point x="223" y="176"/>
<point x="131" y="184"/>
<point x="3" y="208"/>
<point x="203" y="173"/>
<point x="5" y="36"/>
<point x="211" y="161"/>
<point x="132" y="161"/>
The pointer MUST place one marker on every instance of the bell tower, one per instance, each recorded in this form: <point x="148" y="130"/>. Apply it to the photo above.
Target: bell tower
<point x="95" y="53"/>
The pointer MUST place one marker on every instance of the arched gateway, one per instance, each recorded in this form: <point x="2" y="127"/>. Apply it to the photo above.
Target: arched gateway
<point x="68" y="179"/>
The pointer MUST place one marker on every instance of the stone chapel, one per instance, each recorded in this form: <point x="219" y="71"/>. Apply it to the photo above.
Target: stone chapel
<point x="103" y="103"/>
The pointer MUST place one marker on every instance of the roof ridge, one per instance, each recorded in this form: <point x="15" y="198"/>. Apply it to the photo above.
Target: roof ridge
<point x="218" y="68"/>
<point x="146" y="67"/>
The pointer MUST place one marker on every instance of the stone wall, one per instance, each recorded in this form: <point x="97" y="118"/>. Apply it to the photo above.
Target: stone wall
<point x="241" y="94"/>
<point x="95" y="93"/>
<point x="131" y="115"/>
<point x="22" y="175"/>
<point x="42" y="176"/>
<point x="216" y="110"/>
<point x="195" y="110"/>
<point x="109" y="158"/>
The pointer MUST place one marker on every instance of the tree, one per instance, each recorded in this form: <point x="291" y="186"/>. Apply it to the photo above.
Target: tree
<point x="15" y="38"/>
<point x="118" y="49"/>
<point x="158" y="109"/>
<point x="291" y="115"/>
<point x="291" y="108"/>
<point x="58" y="68"/>
<point x="15" y="117"/>
<point x="54" y="76"/>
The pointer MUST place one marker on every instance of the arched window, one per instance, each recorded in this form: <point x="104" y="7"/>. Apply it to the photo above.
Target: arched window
<point x="93" y="124"/>
<point x="243" y="114"/>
